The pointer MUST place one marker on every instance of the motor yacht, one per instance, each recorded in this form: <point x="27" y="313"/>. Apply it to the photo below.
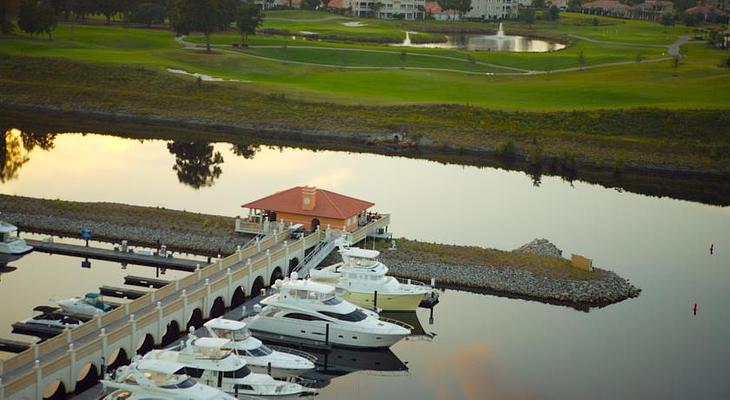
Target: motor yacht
<point x="360" y="275"/>
<point x="277" y="362"/>
<point x="310" y="310"/>
<point x="155" y="379"/>
<point x="89" y="305"/>
<point x="10" y="244"/>
<point x="213" y="364"/>
<point x="55" y="320"/>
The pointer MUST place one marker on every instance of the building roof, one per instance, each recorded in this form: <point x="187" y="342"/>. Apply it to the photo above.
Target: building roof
<point x="432" y="7"/>
<point x="327" y="204"/>
<point x="606" y="4"/>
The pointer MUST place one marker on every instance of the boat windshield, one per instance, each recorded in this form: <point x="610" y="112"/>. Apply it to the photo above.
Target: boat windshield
<point x="354" y="316"/>
<point x="213" y="353"/>
<point x="260" y="352"/>
<point x="333" y="301"/>
<point x="235" y="336"/>
<point x="184" y="384"/>
<point x="239" y="373"/>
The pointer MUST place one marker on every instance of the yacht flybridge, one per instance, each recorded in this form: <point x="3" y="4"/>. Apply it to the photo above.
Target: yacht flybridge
<point x="213" y="364"/>
<point x="259" y="357"/>
<point x="310" y="310"/>
<point x="154" y="379"/>
<point x="10" y="244"/>
<point x="360" y="275"/>
<point x="90" y="305"/>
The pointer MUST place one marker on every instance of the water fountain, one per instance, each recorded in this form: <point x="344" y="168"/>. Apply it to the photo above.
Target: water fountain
<point x="500" y="32"/>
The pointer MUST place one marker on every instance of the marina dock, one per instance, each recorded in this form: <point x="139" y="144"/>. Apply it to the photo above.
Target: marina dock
<point x="178" y="264"/>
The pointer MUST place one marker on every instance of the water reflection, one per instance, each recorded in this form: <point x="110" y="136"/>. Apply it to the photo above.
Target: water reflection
<point x="247" y="151"/>
<point x="196" y="163"/>
<point x="479" y="42"/>
<point x="15" y="147"/>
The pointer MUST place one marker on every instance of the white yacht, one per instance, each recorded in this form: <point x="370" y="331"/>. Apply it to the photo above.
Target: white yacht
<point x="221" y="367"/>
<point x="280" y="363"/>
<point x="360" y="275"/>
<point x="89" y="305"/>
<point x="153" y="379"/>
<point x="10" y="244"/>
<point x="310" y="310"/>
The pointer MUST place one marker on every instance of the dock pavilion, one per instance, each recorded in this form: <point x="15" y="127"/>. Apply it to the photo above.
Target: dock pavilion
<point x="309" y="206"/>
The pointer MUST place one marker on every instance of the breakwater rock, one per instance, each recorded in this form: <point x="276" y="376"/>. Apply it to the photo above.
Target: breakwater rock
<point x="598" y="288"/>
<point x="541" y="247"/>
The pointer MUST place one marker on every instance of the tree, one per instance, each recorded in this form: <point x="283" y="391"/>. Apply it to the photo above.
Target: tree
<point x="575" y="5"/>
<point x="148" y="14"/>
<point x="6" y="26"/>
<point x="581" y="60"/>
<point x="666" y="19"/>
<point x="375" y="8"/>
<point x="196" y="163"/>
<point x="527" y="16"/>
<point x="203" y="16"/>
<point x="27" y="17"/>
<point x="247" y="151"/>
<point x="310" y="4"/>
<point x="248" y="18"/>
<point x="553" y="13"/>
<point x="462" y="7"/>
<point x="538" y="3"/>
<point x="45" y="19"/>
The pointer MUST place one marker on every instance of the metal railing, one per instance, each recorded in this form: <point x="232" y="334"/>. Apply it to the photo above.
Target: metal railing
<point x="295" y="352"/>
<point x="396" y="322"/>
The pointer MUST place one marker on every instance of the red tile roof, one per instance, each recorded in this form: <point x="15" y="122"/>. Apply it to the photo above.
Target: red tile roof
<point x="327" y="204"/>
<point x="433" y="7"/>
<point x="606" y="4"/>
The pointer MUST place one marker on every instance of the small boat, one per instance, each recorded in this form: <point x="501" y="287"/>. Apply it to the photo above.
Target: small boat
<point x="153" y="379"/>
<point x="10" y="244"/>
<point x="91" y="304"/>
<point x="309" y="310"/>
<point x="213" y="364"/>
<point x="360" y="276"/>
<point x="278" y="362"/>
<point x="56" y="320"/>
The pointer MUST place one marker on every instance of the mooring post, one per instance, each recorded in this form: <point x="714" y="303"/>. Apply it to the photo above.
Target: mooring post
<point x="132" y="332"/>
<point x="69" y="337"/>
<point x="268" y="368"/>
<point x="199" y="271"/>
<point x="327" y="334"/>
<point x="375" y="299"/>
<point x="104" y="345"/>
<point x="250" y="270"/>
<point x="240" y="254"/>
<point x="38" y="379"/>
<point x="72" y="357"/>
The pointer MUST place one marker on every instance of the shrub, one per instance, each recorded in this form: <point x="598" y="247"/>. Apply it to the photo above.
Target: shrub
<point x="506" y="150"/>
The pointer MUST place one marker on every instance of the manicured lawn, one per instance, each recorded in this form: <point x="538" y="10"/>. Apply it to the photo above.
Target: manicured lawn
<point x="700" y="82"/>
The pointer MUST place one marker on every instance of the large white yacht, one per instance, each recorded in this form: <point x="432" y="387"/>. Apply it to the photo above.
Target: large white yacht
<point x="10" y="244"/>
<point x="310" y="310"/>
<point x="221" y="367"/>
<point x="154" y="379"/>
<point x="280" y="363"/>
<point x="360" y="275"/>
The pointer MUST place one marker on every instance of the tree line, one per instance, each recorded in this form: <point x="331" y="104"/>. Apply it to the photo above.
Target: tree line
<point x="184" y="16"/>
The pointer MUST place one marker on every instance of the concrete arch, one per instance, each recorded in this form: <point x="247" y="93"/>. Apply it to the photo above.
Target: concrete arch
<point x="218" y="308"/>
<point x="257" y="285"/>
<point x="238" y="298"/>
<point x="88" y="377"/>
<point x="171" y="335"/>
<point x="195" y="320"/>
<point x="55" y="390"/>
<point x="145" y="344"/>
<point x="276" y="274"/>
<point x="117" y="358"/>
<point x="292" y="263"/>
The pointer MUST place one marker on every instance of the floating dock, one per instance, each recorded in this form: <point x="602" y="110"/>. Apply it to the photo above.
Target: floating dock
<point x="37" y="330"/>
<point x="96" y="253"/>
<point x="13" y="346"/>
<point x="144" y="281"/>
<point x="114" y="291"/>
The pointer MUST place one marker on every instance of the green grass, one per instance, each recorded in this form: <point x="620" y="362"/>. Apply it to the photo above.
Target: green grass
<point x="700" y="82"/>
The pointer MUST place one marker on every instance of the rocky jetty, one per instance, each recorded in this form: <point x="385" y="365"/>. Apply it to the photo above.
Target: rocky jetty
<point x="597" y="288"/>
<point x="541" y="247"/>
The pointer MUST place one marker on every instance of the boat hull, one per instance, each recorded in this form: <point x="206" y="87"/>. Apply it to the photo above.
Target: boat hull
<point x="316" y="332"/>
<point x="386" y="302"/>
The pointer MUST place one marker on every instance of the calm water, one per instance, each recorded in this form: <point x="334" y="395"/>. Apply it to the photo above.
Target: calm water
<point x="486" y="346"/>
<point x="478" y="42"/>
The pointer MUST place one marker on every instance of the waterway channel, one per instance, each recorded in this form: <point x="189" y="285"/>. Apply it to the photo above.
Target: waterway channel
<point x="485" y="346"/>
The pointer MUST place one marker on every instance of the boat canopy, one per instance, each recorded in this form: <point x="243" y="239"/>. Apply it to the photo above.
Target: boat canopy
<point x="359" y="253"/>
<point x="7" y="228"/>
<point x="162" y="367"/>
<point x="210" y="343"/>
<point x="225" y="324"/>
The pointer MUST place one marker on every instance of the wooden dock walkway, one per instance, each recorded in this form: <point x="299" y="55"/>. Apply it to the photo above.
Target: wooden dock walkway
<point x="96" y="253"/>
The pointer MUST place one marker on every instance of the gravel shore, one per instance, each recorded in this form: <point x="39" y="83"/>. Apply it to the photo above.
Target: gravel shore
<point x="601" y="288"/>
